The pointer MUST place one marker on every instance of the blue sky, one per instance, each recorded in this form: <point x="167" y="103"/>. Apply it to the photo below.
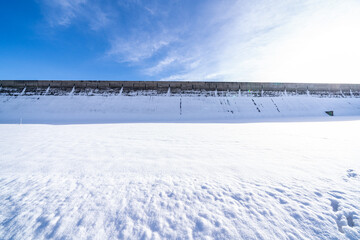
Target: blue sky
<point x="225" y="40"/>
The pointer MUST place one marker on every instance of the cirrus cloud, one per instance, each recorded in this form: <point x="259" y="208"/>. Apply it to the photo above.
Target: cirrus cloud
<point x="229" y="40"/>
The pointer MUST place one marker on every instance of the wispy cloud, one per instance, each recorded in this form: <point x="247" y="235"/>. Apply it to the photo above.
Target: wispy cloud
<point x="138" y="47"/>
<point x="62" y="12"/>
<point x="135" y="30"/>
<point x="229" y="40"/>
<point x="160" y="66"/>
<point x="303" y="41"/>
<point x="66" y="12"/>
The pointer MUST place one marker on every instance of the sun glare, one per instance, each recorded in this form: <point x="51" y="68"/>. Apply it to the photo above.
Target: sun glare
<point x="324" y="49"/>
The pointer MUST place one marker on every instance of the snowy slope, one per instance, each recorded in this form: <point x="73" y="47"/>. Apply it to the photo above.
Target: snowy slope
<point x="115" y="108"/>
<point x="295" y="180"/>
<point x="169" y="167"/>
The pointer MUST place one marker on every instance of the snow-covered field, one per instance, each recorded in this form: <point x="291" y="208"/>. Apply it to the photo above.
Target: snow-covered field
<point x="250" y="178"/>
<point x="295" y="180"/>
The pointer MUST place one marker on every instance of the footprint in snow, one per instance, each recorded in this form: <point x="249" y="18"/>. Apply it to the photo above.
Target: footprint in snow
<point x="350" y="219"/>
<point x="343" y="219"/>
<point x="347" y="220"/>
<point x="334" y="204"/>
<point x="351" y="173"/>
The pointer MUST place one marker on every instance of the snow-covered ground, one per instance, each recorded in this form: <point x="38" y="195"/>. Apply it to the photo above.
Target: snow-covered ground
<point x="289" y="180"/>
<point x="74" y="109"/>
<point x="188" y="167"/>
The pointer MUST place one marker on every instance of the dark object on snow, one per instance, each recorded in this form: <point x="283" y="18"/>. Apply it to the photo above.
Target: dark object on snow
<point x="330" y="113"/>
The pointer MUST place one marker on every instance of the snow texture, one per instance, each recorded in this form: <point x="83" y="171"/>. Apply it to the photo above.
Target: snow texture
<point x="264" y="180"/>
<point x="74" y="109"/>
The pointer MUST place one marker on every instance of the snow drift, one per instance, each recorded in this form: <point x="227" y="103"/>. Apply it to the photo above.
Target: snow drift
<point x="166" y="108"/>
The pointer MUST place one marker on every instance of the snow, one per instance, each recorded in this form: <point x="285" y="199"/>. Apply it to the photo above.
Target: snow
<point x="74" y="109"/>
<point x="255" y="178"/>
